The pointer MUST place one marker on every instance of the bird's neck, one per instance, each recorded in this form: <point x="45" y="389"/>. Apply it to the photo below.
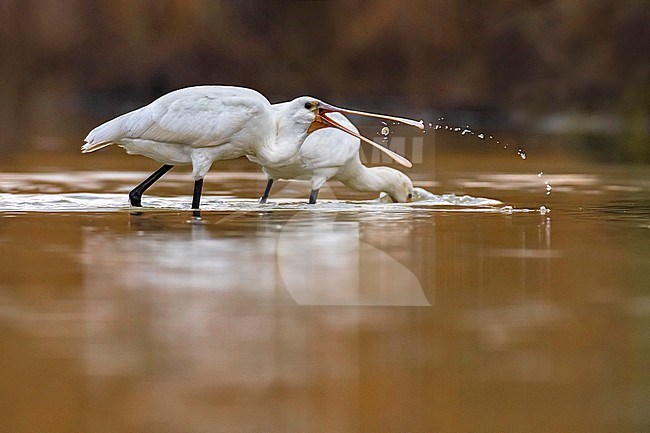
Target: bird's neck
<point x="361" y="178"/>
<point x="283" y="146"/>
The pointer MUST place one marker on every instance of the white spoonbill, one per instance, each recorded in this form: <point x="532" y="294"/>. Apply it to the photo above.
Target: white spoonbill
<point x="202" y="124"/>
<point x="333" y="154"/>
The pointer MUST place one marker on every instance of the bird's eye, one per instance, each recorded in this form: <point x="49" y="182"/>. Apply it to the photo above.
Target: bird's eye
<point x="410" y="196"/>
<point x="309" y="106"/>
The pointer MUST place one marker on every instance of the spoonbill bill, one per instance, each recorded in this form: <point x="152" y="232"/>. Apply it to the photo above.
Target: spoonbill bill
<point x="199" y="125"/>
<point x="334" y="154"/>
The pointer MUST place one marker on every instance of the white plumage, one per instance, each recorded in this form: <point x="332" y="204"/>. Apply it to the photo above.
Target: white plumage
<point x="202" y="124"/>
<point x="195" y="125"/>
<point x="330" y="153"/>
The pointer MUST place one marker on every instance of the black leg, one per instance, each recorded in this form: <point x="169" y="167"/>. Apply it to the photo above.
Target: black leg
<point x="135" y="196"/>
<point x="196" y="198"/>
<point x="313" y="196"/>
<point x="267" y="190"/>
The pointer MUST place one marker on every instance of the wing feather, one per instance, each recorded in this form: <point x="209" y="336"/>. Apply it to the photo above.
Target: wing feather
<point x="196" y="116"/>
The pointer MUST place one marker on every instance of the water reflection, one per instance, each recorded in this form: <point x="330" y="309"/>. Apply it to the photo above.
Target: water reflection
<point x="178" y="256"/>
<point x="309" y="257"/>
<point x="210" y="310"/>
<point x="331" y="264"/>
<point x="333" y="319"/>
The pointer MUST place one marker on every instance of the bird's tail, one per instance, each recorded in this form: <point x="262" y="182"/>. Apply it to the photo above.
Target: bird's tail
<point x="91" y="147"/>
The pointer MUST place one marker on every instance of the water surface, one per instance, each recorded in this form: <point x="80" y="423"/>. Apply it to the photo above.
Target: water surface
<point x="526" y="313"/>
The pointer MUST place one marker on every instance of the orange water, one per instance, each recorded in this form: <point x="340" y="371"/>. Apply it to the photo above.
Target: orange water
<point x="349" y="320"/>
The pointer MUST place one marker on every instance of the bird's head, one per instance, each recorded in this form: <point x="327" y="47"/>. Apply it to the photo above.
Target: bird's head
<point x="396" y="184"/>
<point x="313" y="113"/>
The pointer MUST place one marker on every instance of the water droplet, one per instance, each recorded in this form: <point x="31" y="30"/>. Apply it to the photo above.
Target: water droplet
<point x="544" y="210"/>
<point x="430" y="125"/>
<point x="383" y="122"/>
<point x="540" y="174"/>
<point x="465" y="131"/>
<point x="438" y="127"/>
<point x="457" y="129"/>
<point x="385" y="131"/>
<point x="548" y="188"/>
<point x="481" y="136"/>
<point x="491" y="137"/>
<point x="521" y="153"/>
<point x="507" y="209"/>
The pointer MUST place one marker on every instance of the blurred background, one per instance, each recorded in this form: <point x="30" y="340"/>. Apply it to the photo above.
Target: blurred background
<point x="113" y="320"/>
<point x="575" y="70"/>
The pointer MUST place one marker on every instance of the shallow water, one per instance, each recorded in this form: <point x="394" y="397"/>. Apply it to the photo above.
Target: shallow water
<point x="526" y="313"/>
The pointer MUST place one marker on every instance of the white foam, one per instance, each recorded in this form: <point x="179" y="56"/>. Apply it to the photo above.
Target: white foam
<point x="102" y="202"/>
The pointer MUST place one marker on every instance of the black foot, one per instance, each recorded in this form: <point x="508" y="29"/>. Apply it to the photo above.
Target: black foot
<point x="196" y="197"/>
<point x="135" y="198"/>
<point x="267" y="190"/>
<point x="313" y="196"/>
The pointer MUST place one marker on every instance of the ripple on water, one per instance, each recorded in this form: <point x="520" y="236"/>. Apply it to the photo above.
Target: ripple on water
<point x="59" y="192"/>
<point x="105" y="202"/>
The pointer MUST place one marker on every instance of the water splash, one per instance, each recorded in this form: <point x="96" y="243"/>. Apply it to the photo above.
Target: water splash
<point x="521" y="152"/>
<point x="463" y="130"/>
<point x="468" y="131"/>
<point x="423" y="200"/>
<point x="423" y="197"/>
<point x="384" y="132"/>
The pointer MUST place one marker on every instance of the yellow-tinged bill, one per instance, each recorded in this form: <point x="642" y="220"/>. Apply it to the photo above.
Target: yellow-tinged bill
<point x="323" y="121"/>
